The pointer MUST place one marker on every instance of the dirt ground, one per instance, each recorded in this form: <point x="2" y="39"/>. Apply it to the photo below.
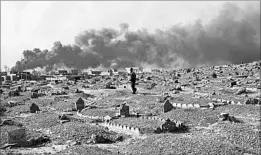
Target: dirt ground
<point x="59" y="129"/>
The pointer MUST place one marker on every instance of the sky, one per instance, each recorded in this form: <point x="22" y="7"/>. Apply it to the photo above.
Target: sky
<point x="30" y="24"/>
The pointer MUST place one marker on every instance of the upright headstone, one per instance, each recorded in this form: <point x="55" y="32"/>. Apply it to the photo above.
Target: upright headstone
<point x="16" y="136"/>
<point x="167" y="106"/>
<point x="19" y="88"/>
<point x="34" y="108"/>
<point x="124" y="110"/>
<point x="79" y="105"/>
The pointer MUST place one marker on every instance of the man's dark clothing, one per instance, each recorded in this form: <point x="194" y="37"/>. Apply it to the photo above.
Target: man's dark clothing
<point x="133" y="81"/>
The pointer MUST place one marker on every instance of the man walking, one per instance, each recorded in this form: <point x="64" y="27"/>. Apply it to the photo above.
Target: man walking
<point x="133" y="81"/>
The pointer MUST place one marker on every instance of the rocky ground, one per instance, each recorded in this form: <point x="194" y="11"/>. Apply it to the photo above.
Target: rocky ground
<point x="59" y="127"/>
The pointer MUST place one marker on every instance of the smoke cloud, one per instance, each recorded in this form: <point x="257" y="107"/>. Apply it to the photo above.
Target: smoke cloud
<point x="231" y="37"/>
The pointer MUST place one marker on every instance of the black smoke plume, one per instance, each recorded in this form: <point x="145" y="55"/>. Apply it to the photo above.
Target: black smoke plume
<point x="231" y="37"/>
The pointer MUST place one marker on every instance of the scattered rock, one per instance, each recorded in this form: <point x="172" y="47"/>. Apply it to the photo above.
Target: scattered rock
<point x="252" y="101"/>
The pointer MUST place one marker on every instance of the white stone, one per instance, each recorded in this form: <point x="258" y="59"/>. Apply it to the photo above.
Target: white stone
<point x="190" y="105"/>
<point x="211" y="104"/>
<point x="196" y="105"/>
<point x="184" y="106"/>
<point x="214" y="99"/>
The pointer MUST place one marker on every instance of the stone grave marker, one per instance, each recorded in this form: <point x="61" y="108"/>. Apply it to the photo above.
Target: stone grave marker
<point x="124" y="110"/>
<point x="19" y="88"/>
<point x="167" y="106"/>
<point x="16" y="136"/>
<point x="79" y="104"/>
<point x="34" y="108"/>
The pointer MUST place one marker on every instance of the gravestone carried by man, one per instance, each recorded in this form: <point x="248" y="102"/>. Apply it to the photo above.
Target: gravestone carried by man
<point x="79" y="104"/>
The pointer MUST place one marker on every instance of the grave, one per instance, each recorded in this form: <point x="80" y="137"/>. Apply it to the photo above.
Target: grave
<point x="17" y="136"/>
<point x="34" y="95"/>
<point x="167" y="106"/>
<point x="34" y="108"/>
<point x="124" y="110"/>
<point x="79" y="104"/>
<point x="168" y="126"/>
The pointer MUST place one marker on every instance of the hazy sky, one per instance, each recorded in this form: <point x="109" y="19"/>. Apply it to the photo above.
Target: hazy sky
<point x="28" y="24"/>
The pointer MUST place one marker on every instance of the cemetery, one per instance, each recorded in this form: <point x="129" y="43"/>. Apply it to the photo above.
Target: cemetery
<point x="193" y="113"/>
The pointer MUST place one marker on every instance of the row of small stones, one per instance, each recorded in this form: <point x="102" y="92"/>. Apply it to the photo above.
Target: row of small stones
<point x="219" y="101"/>
<point x="125" y="127"/>
<point x="112" y="126"/>
<point x="115" y="126"/>
<point x="179" y="123"/>
<point x="142" y="117"/>
<point x="89" y="116"/>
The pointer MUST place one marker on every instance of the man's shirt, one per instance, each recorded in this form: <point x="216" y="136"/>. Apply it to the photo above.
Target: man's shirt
<point x="133" y="77"/>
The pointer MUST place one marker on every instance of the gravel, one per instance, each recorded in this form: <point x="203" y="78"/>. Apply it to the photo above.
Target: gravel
<point x="98" y="112"/>
<point x="243" y="135"/>
<point x="62" y="105"/>
<point x="4" y="135"/>
<point x="180" y="144"/>
<point x="79" y="132"/>
<point x="88" y="150"/>
<point x="41" y="120"/>
<point x="3" y="130"/>
<point x="193" y="117"/>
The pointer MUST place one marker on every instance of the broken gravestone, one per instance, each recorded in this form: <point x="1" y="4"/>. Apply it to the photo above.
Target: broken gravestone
<point x="223" y="116"/>
<point x="107" y="118"/>
<point x="34" y="108"/>
<point x="79" y="104"/>
<point x="233" y="83"/>
<point x="16" y="136"/>
<point x="34" y="95"/>
<point x="252" y="101"/>
<point x="98" y="139"/>
<point x="241" y="91"/>
<point x="226" y="117"/>
<point x="168" y="126"/>
<point x="167" y="106"/>
<point x="124" y="110"/>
